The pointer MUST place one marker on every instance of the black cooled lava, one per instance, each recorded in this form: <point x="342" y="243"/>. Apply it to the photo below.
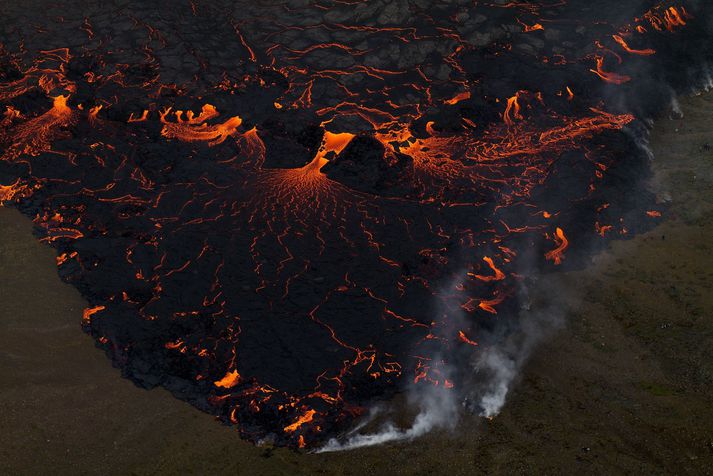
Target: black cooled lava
<point x="281" y="211"/>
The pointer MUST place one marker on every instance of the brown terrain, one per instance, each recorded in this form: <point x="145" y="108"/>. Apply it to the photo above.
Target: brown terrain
<point x="624" y="388"/>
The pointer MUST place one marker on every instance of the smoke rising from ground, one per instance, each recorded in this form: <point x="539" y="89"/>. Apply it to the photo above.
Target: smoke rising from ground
<point x="505" y="347"/>
<point x="488" y="378"/>
<point x="504" y="350"/>
<point x="496" y="368"/>
<point x="438" y="409"/>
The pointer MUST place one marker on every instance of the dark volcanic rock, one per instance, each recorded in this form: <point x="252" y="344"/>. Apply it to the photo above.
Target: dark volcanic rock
<point x="365" y="165"/>
<point x="282" y="213"/>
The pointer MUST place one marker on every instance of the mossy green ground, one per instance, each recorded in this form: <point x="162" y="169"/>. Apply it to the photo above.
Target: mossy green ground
<point x="625" y="387"/>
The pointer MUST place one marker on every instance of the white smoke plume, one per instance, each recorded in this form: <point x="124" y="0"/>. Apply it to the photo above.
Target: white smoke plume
<point x="497" y="365"/>
<point x="438" y="408"/>
<point x="487" y="379"/>
<point x="503" y="369"/>
<point x="493" y="371"/>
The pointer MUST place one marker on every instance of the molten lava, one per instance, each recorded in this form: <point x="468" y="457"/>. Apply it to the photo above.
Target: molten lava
<point x="195" y="129"/>
<point x="281" y="275"/>
<point x="557" y="254"/>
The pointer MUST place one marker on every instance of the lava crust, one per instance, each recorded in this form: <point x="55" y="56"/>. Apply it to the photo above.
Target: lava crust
<point x="282" y="211"/>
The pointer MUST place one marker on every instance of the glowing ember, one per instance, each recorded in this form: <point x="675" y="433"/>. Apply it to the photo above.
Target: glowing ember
<point x="305" y="418"/>
<point x="463" y="338"/>
<point x="557" y="255"/>
<point x="10" y="192"/>
<point x="609" y="77"/>
<point x="231" y="379"/>
<point x="89" y="312"/>
<point x="195" y="129"/>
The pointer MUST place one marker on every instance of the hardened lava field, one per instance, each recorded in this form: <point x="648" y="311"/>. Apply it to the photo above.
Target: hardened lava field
<point x="281" y="211"/>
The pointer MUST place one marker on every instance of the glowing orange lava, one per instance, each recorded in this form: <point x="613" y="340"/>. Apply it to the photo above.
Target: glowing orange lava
<point x="557" y="254"/>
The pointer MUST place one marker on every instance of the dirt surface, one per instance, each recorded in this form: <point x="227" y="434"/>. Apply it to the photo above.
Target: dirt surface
<point x="624" y="388"/>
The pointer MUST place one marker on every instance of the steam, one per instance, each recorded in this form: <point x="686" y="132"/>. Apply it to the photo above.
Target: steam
<point x="486" y="380"/>
<point x="503" y="369"/>
<point x="437" y="409"/>
<point x="495" y="369"/>
<point x="676" y="110"/>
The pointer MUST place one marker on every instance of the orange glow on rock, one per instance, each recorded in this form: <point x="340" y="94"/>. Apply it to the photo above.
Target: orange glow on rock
<point x="89" y="312"/>
<point x="333" y="143"/>
<point x="488" y="305"/>
<point x="307" y="417"/>
<point x="535" y="27"/>
<point x="10" y="115"/>
<point x="624" y="44"/>
<point x="463" y="338"/>
<point x="231" y="379"/>
<point x="141" y="118"/>
<point x="10" y="192"/>
<point x="512" y="111"/>
<point x="462" y="96"/>
<point x="498" y="276"/>
<point x="557" y="255"/>
<point x="36" y="135"/>
<point x="609" y="77"/>
<point x="195" y="129"/>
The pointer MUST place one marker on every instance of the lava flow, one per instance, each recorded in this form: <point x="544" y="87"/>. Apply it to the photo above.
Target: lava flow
<point x="266" y="207"/>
